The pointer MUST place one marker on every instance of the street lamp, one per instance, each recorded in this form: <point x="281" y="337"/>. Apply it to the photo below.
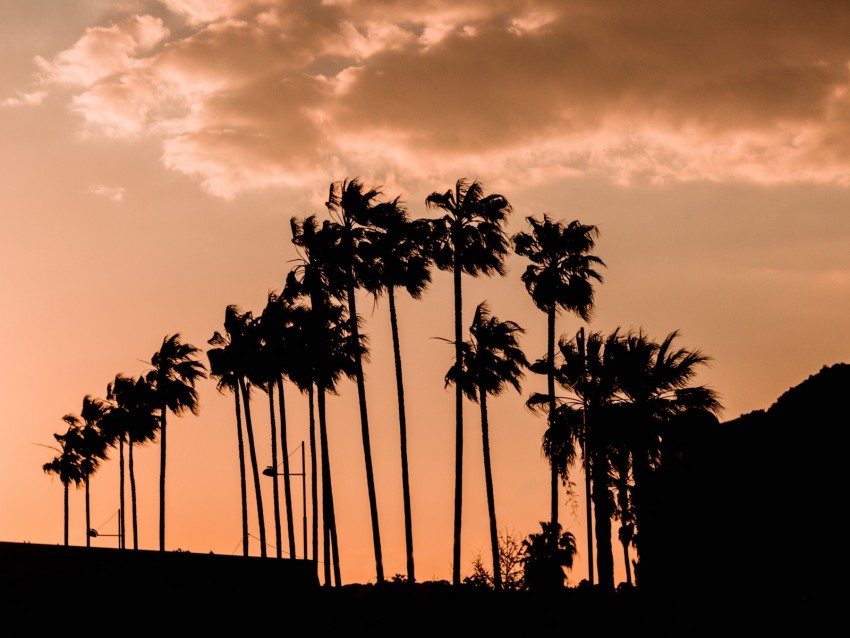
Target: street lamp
<point x="270" y="471"/>
<point x="93" y="533"/>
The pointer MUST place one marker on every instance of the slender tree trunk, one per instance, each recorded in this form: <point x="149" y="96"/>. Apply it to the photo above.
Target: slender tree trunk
<point x="314" y="483"/>
<point x="627" y="562"/>
<point x="67" y="512"/>
<point x="488" y="481"/>
<point x="284" y="450"/>
<point x="134" y="516"/>
<point x="255" y="469"/>
<point x="243" y="486"/>
<point x="328" y="498"/>
<point x="402" y="426"/>
<point x="603" y="513"/>
<point x="587" y="453"/>
<point x="121" y="499"/>
<point x="275" y="486"/>
<point x="458" y="418"/>
<point x="364" y="431"/>
<point x="88" y="513"/>
<point x="550" y="388"/>
<point x="162" y="479"/>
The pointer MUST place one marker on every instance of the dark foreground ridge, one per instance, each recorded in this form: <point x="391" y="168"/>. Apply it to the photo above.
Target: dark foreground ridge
<point x="47" y="588"/>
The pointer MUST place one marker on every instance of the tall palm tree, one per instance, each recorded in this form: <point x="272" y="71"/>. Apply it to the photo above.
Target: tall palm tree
<point x="65" y="465"/>
<point x="233" y="358"/>
<point x="589" y="372"/>
<point x="278" y="325"/>
<point x="396" y="247"/>
<point x="490" y="361"/>
<point x="175" y="370"/>
<point x="560" y="276"/>
<point x="86" y="438"/>
<point x="350" y="205"/>
<point x="468" y="238"/>
<point x="329" y="349"/>
<point x="132" y="418"/>
<point x="656" y="383"/>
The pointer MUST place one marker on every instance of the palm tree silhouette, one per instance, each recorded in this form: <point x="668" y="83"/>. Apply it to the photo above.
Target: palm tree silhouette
<point x="350" y="205"/>
<point x="277" y="336"/>
<point x="655" y="380"/>
<point x="590" y="372"/>
<point x="468" y="238"/>
<point x="545" y="555"/>
<point x="132" y="417"/>
<point x="86" y="438"/>
<point x="490" y="361"/>
<point x="395" y="246"/>
<point x="65" y="465"/>
<point x="175" y="370"/>
<point x="331" y="350"/>
<point x="560" y="276"/>
<point x="233" y="361"/>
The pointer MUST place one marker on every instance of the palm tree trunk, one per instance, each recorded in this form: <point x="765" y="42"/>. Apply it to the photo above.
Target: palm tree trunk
<point x="88" y="513"/>
<point x="488" y="481"/>
<point x="364" y="431"/>
<point x="314" y="485"/>
<point x="275" y="486"/>
<point x="243" y="487"/>
<point x="163" y="411"/>
<point x="121" y="503"/>
<point x="588" y="469"/>
<point x="284" y="450"/>
<point x="602" y="510"/>
<point x="627" y="562"/>
<point x="134" y="516"/>
<point x="402" y="426"/>
<point x="66" y="513"/>
<point x="458" y="419"/>
<point x="550" y="388"/>
<point x="255" y="469"/>
<point x="328" y="499"/>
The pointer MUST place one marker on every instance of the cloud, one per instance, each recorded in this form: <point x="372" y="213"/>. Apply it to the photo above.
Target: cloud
<point x="253" y="94"/>
<point x="33" y="98"/>
<point x="113" y="193"/>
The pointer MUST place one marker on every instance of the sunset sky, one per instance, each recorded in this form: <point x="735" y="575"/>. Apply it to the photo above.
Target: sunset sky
<point x="154" y="152"/>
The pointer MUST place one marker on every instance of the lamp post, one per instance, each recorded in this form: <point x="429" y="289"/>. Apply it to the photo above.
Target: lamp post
<point x="270" y="471"/>
<point x="93" y="533"/>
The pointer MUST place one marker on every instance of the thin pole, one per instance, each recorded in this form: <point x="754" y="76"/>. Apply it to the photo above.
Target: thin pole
<point x="304" y="497"/>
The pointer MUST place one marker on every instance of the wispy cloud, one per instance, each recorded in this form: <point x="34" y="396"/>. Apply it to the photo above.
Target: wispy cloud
<point x="25" y="99"/>
<point x="252" y="94"/>
<point x="113" y="193"/>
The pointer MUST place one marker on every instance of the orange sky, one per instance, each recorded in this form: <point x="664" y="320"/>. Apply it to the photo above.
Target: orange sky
<point x="153" y="154"/>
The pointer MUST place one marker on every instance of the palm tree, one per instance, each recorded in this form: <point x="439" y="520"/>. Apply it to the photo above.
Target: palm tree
<point x="589" y="371"/>
<point x="350" y="205"/>
<point x="655" y="380"/>
<point x="328" y="350"/>
<point x="468" y="238"/>
<point x="65" y="465"/>
<point x="232" y="359"/>
<point x="395" y="246"/>
<point x="490" y="361"/>
<point x="279" y="325"/>
<point x="131" y="418"/>
<point x="545" y="555"/>
<point x="560" y="276"/>
<point x="91" y="445"/>
<point x="173" y="377"/>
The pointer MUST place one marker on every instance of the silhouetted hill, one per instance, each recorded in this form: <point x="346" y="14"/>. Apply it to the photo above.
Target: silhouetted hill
<point x="751" y="505"/>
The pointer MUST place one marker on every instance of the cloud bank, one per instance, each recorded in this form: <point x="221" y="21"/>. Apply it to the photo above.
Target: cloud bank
<point x="252" y="94"/>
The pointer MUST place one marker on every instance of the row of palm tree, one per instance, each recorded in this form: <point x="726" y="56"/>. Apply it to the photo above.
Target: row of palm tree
<point x="310" y="335"/>
<point x="133" y="413"/>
